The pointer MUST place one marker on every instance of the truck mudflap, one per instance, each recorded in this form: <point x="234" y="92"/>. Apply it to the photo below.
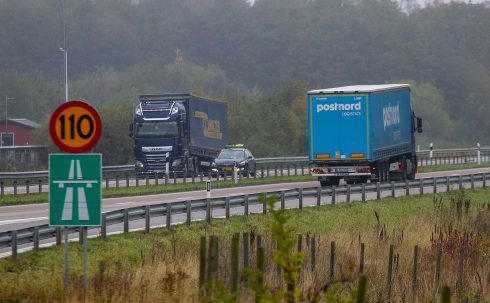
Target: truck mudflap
<point x="343" y="171"/>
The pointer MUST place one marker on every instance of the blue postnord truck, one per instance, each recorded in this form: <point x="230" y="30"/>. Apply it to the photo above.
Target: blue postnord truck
<point x="179" y="133"/>
<point x="362" y="132"/>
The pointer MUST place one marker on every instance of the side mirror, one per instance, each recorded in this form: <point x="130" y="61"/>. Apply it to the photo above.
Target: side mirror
<point x="419" y="125"/>
<point x="130" y="130"/>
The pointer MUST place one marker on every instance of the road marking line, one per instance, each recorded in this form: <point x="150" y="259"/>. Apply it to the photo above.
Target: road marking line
<point x="6" y="222"/>
<point x="124" y="203"/>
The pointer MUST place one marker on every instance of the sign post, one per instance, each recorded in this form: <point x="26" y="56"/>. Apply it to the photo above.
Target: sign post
<point x="75" y="191"/>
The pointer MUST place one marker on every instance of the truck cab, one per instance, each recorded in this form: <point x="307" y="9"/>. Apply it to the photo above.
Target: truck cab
<point x="158" y="130"/>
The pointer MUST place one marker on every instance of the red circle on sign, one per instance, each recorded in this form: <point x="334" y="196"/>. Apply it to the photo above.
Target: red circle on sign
<point x="75" y="127"/>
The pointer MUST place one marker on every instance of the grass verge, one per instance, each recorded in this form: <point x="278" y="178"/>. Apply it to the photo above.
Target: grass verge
<point x="164" y="264"/>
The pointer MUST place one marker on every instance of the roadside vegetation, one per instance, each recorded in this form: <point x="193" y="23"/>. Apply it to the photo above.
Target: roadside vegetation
<point x="164" y="264"/>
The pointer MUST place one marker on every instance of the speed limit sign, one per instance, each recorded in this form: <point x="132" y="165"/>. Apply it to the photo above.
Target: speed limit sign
<point x="75" y="127"/>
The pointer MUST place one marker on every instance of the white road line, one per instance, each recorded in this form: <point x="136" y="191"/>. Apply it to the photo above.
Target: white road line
<point x="185" y="198"/>
<point x="125" y="203"/>
<point x="7" y="222"/>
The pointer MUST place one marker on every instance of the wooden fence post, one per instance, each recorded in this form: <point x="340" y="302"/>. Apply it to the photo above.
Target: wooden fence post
<point x="234" y="261"/>
<point x="246" y="245"/>
<point x="213" y="262"/>
<point x="361" y="289"/>
<point x="202" y="262"/>
<point x="361" y="259"/>
<point x="260" y="267"/>
<point x="300" y="242"/>
<point x="332" y="260"/>
<point x="445" y="295"/>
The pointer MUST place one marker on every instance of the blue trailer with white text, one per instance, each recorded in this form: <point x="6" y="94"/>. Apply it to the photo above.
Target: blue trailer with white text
<point x="177" y="133"/>
<point x="360" y="133"/>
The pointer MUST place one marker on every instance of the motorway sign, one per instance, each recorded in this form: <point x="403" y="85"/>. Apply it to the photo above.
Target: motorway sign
<point x="75" y="193"/>
<point x="75" y="127"/>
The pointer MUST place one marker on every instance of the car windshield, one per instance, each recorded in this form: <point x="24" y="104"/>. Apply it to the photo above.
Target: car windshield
<point x="156" y="129"/>
<point x="231" y="154"/>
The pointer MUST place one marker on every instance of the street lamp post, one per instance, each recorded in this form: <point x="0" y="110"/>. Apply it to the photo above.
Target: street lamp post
<point x="66" y="72"/>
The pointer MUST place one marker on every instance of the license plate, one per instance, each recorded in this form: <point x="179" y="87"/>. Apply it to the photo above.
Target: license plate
<point x="228" y="168"/>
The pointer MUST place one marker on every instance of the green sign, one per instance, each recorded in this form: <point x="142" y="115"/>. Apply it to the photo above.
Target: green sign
<point x="75" y="193"/>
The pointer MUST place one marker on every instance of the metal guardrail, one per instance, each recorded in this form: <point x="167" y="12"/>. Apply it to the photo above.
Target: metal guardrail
<point x="45" y="232"/>
<point x="438" y="155"/>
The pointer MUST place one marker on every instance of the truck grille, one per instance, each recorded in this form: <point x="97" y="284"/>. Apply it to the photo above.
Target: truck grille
<point x="156" y="162"/>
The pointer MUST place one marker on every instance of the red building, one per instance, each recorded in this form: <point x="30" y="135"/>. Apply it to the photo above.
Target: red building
<point x="17" y="132"/>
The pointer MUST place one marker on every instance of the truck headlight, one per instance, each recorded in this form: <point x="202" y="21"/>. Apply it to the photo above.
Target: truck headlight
<point x="175" y="110"/>
<point x="138" y="164"/>
<point x="176" y="162"/>
<point x="138" y="111"/>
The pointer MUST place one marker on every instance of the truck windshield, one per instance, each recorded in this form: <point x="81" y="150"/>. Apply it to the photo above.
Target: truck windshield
<point x="156" y="129"/>
<point x="231" y="154"/>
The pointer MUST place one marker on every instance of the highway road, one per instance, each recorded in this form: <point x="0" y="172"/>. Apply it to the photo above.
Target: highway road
<point x="21" y="216"/>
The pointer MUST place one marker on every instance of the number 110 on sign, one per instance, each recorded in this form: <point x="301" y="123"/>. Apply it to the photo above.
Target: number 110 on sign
<point x="75" y="127"/>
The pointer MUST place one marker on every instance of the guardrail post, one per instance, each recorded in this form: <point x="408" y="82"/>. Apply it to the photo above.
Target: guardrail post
<point x="175" y="178"/>
<point x="295" y="169"/>
<point x="13" y="242"/>
<point x="15" y="187"/>
<point x="363" y="192"/>
<point x="421" y="186"/>
<point x="193" y="177"/>
<point x="484" y="180"/>
<point x="282" y="200"/>
<point x="407" y="188"/>
<point x="188" y="212"/>
<point x="275" y="171"/>
<point x="460" y="182"/>
<point x="447" y="184"/>
<point x="472" y="178"/>
<point x="126" y="220"/>
<point x="40" y="186"/>
<point x="246" y="205"/>
<point x="300" y="199"/>
<point x="264" y="204"/>
<point x="227" y="207"/>
<point x="36" y="238"/>
<point x="58" y="235"/>
<point x="103" y="228"/>
<point x="106" y="182"/>
<point x="393" y="189"/>
<point x="27" y="186"/>
<point x="147" y="218"/>
<point x="156" y="179"/>
<point x="289" y="171"/>
<point x="348" y="193"/>
<point x="80" y="235"/>
<point x="208" y="210"/>
<point x="334" y="193"/>
<point x="318" y="196"/>
<point x="117" y="182"/>
<point x="282" y="170"/>
<point x="137" y="181"/>
<point x="169" y="215"/>
<point x="2" y="189"/>
<point x="434" y="182"/>
<point x="302" y="170"/>
<point x="378" y="191"/>
<point x="267" y="168"/>
<point x="262" y="172"/>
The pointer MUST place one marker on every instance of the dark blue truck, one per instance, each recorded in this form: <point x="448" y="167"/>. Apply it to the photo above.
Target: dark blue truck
<point x="177" y="133"/>
<point x="360" y="133"/>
